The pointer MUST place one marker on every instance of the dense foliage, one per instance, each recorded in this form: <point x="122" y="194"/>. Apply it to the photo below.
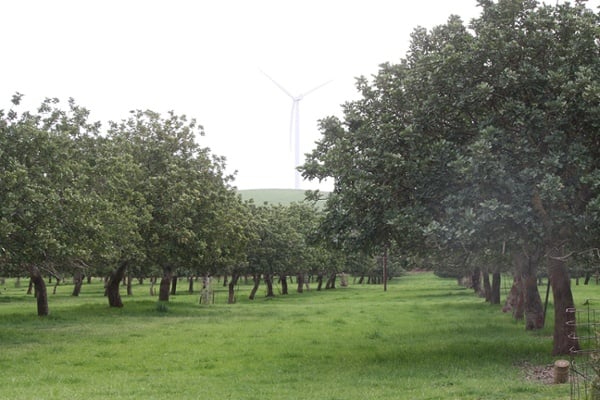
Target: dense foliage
<point x="142" y="199"/>
<point x="480" y="146"/>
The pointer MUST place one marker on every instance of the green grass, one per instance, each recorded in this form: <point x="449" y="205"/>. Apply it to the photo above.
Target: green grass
<point x="426" y="338"/>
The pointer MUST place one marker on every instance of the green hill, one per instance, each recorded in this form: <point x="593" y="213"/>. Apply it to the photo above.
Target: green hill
<point x="273" y="196"/>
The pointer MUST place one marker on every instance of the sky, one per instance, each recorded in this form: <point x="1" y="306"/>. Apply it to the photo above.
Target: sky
<point x="207" y="60"/>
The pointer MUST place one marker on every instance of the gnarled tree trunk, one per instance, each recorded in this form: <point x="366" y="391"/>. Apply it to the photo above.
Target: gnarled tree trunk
<point x="231" y="287"/>
<point x="515" y="301"/>
<point x="112" y="286"/>
<point x="320" y="281"/>
<point x="284" y="285"/>
<point x="269" y="283"/>
<point x="564" y="334"/>
<point x="41" y="293"/>
<point x="534" y="309"/>
<point x="255" y="287"/>
<point x="77" y="283"/>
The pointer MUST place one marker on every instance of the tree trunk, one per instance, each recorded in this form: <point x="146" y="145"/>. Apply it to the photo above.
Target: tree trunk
<point x="165" y="284"/>
<point x="231" y="286"/>
<point x="56" y="285"/>
<point x="319" y="281"/>
<point x="534" y="309"/>
<point x="331" y="281"/>
<point x="487" y="287"/>
<point x="495" y="298"/>
<point x="476" y="281"/>
<point x="105" y="283"/>
<point x="29" y="288"/>
<point x="129" y="289"/>
<point x="77" y="283"/>
<point x="269" y="283"/>
<point x="174" y="285"/>
<point x="191" y="284"/>
<point x="300" y="280"/>
<point x="206" y="294"/>
<point x="385" y="268"/>
<point x="284" y="285"/>
<point x="40" y="291"/>
<point x="255" y="287"/>
<point x="563" y="303"/>
<point x="112" y="286"/>
<point x="515" y="301"/>
<point x="152" y="283"/>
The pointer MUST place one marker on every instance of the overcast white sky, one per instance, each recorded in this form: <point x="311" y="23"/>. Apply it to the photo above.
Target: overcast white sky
<point x="203" y="59"/>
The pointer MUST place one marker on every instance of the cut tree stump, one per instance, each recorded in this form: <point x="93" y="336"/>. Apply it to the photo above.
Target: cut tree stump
<point x="561" y="371"/>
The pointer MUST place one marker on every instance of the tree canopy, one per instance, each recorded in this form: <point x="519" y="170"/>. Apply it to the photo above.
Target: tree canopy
<point x="484" y="137"/>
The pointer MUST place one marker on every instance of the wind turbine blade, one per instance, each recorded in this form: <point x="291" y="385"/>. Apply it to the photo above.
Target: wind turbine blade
<point x="284" y="90"/>
<point x="315" y="88"/>
<point x="297" y="146"/>
<point x="292" y="117"/>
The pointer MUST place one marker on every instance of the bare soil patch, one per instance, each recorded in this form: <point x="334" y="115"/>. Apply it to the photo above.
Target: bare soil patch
<point x="543" y="374"/>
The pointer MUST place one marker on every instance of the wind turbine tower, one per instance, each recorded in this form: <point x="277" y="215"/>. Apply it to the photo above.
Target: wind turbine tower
<point x="295" y="124"/>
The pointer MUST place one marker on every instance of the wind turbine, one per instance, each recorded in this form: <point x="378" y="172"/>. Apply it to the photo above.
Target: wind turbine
<point x="295" y="123"/>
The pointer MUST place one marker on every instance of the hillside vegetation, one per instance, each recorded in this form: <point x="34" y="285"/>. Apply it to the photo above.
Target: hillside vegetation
<point x="273" y="196"/>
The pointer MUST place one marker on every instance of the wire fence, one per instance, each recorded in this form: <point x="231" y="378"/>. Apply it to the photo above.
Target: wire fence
<point x="585" y="362"/>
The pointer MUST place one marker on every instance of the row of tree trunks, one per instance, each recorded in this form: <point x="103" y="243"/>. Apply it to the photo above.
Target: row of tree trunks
<point x="524" y="299"/>
<point x="490" y="289"/>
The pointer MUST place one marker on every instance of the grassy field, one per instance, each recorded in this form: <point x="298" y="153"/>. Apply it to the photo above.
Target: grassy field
<point x="426" y="338"/>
